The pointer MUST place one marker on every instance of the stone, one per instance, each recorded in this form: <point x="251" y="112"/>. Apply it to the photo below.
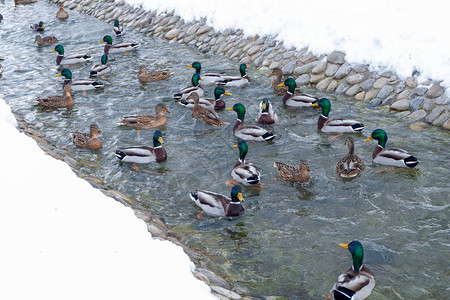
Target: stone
<point x="435" y="91"/>
<point x="401" y="105"/>
<point x="193" y="29"/>
<point x="303" y="79"/>
<point x="360" y="95"/>
<point x="367" y="84"/>
<point x="342" y="88"/>
<point x="343" y="71"/>
<point x="235" y="53"/>
<point x="203" y="29"/>
<point x="441" y="119"/>
<point x="319" y="68"/>
<point x="352" y="90"/>
<point x="245" y="60"/>
<point x="288" y="69"/>
<point x="336" y="57"/>
<point x="393" y="80"/>
<point x="418" y="92"/>
<point x="227" y="293"/>
<point x="361" y="68"/>
<point x="331" y="69"/>
<point x="307" y="58"/>
<point x="428" y="104"/>
<point x="253" y="50"/>
<point x="226" y="32"/>
<point x="385" y="91"/>
<point x="411" y="82"/>
<point x="400" y="87"/>
<point x="443" y="100"/>
<point x="288" y="54"/>
<point x="322" y="85"/>
<point x="332" y="86"/>
<point x="380" y="82"/>
<point x="172" y="34"/>
<point x="417" y="115"/>
<point x="375" y="102"/>
<point x="274" y="65"/>
<point x="305" y="68"/>
<point x="316" y="78"/>
<point x="416" y="103"/>
<point x="404" y="94"/>
<point x="355" y="78"/>
<point x="434" y="114"/>
<point x="446" y="124"/>
<point x="213" y="277"/>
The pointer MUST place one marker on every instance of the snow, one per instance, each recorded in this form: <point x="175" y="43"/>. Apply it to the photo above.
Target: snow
<point x="400" y="36"/>
<point x="63" y="239"/>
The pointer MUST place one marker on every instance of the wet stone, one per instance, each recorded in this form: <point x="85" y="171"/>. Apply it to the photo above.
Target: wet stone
<point x="436" y="90"/>
<point x="434" y="114"/>
<point x="316" y="78"/>
<point x="332" y="86"/>
<point x="253" y="50"/>
<point x="355" y="78"/>
<point x="361" y="68"/>
<point x="419" y="91"/>
<point x="400" y="87"/>
<point x="289" y="67"/>
<point x="441" y="119"/>
<point x="343" y="71"/>
<point x="401" y="105"/>
<point x="443" y="100"/>
<point x="331" y="69"/>
<point x="370" y="95"/>
<point x="322" y="85"/>
<point x="336" y="57"/>
<point x="417" y="115"/>
<point x="389" y="100"/>
<point x="227" y="293"/>
<point x="342" y="88"/>
<point x="385" y="91"/>
<point x="274" y="65"/>
<point x="172" y="34"/>
<point x="404" y="94"/>
<point x="380" y="82"/>
<point x="303" y="79"/>
<point x="375" y="102"/>
<point x="305" y="68"/>
<point x="360" y="95"/>
<point x="416" y="103"/>
<point x="352" y="90"/>
<point x="307" y="58"/>
<point x="319" y="68"/>
<point x="446" y="125"/>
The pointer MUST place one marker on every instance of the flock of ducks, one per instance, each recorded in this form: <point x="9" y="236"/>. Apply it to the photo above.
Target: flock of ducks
<point x="355" y="283"/>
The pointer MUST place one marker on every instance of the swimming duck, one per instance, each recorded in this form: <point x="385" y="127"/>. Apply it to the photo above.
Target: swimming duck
<point x="153" y="75"/>
<point x="244" y="172"/>
<point x="266" y="114"/>
<point x="117" y="48"/>
<point x="144" y="154"/>
<point x="46" y="40"/>
<point x="62" y="59"/>
<point x="79" y="85"/>
<point x="350" y="165"/>
<point x="218" y="205"/>
<point x="209" y="116"/>
<point x="38" y="27"/>
<point x="279" y="90"/>
<point x="117" y="29"/>
<point x="186" y="92"/>
<point x="357" y="282"/>
<point x="148" y="121"/>
<point x="217" y="103"/>
<point x="1" y="69"/>
<point x="248" y="133"/>
<point x="238" y="81"/>
<point x="66" y="100"/>
<point x="61" y="13"/>
<point x="334" y="125"/>
<point x="294" y="174"/>
<point x="299" y="100"/>
<point x="87" y="140"/>
<point x="390" y="157"/>
<point x="207" y="78"/>
<point x="101" y="69"/>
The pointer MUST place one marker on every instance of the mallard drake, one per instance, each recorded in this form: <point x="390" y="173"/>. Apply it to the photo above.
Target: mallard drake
<point x="87" y="140"/>
<point x="79" y="85"/>
<point x="148" y="121"/>
<point x="244" y="172"/>
<point x="62" y="59"/>
<point x="207" y="78"/>
<point x="209" y="116"/>
<point x="38" y="27"/>
<point x="144" y="154"/>
<point x="292" y="100"/>
<point x="46" y="40"/>
<point x="218" y="205"/>
<point x="117" y="29"/>
<point x="238" y="81"/>
<point x="278" y="89"/>
<point x="117" y="48"/>
<point x="61" y="13"/>
<point x="153" y="75"/>
<point x="266" y="114"/>
<point x="217" y="103"/>
<point x="102" y="68"/>
<point x="186" y="92"/>
<point x="66" y="100"/>
<point x="294" y="174"/>
<point x="350" y="165"/>
<point x="334" y="125"/>
<point x="357" y="282"/>
<point x="390" y="157"/>
<point x="248" y="133"/>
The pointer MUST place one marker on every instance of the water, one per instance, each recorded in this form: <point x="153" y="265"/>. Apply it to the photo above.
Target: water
<point x="287" y="241"/>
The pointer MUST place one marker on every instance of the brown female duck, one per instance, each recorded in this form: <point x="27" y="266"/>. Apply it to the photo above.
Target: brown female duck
<point x="87" y="140"/>
<point x="279" y="90"/>
<point x="46" y="40"/>
<point x="66" y="100"/>
<point x="294" y="174"/>
<point x="350" y="165"/>
<point x="147" y="121"/>
<point x="61" y="13"/>
<point x="153" y="75"/>
<point x="209" y="116"/>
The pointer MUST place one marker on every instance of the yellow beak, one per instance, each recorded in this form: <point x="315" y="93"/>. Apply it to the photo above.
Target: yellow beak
<point x="161" y="140"/>
<point x="264" y="105"/>
<point x="101" y="41"/>
<point x="58" y="75"/>
<point x="227" y="93"/>
<point x="315" y="104"/>
<point x="52" y="51"/>
<point x="368" y="139"/>
<point x="229" y="108"/>
<point x="344" y="246"/>
<point x="189" y="67"/>
<point x="281" y="84"/>
<point x="235" y="146"/>
<point x="240" y="197"/>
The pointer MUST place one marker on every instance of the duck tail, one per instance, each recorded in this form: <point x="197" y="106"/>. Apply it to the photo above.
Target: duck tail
<point x="87" y="57"/>
<point x="177" y="96"/>
<point x="411" y="161"/>
<point x="98" y="84"/>
<point x="268" y="136"/>
<point x="253" y="179"/>
<point x="194" y="196"/>
<point x="358" y="127"/>
<point x="120" y="154"/>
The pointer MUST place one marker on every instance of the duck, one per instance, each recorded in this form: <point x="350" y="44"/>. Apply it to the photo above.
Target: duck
<point x="248" y="133"/>
<point x="1" y="69"/>
<point x="279" y="90"/>
<point x="334" y="125"/>
<point x="357" y="282"/>
<point x="66" y="100"/>
<point x="144" y="154"/>
<point x="87" y="140"/>
<point x="62" y="59"/>
<point x="117" y="48"/>
<point x="218" y="205"/>
<point x="17" y="2"/>
<point x="38" y="27"/>
<point x="207" y="78"/>
<point x="209" y="116"/>
<point x="243" y="172"/>
<point x="238" y="81"/>
<point x="79" y="85"/>
<point x="390" y="157"/>
<point x="148" y="121"/>
<point x="292" y="100"/>
<point x="117" y="29"/>
<point x="46" y="40"/>
<point x="293" y="174"/>
<point x="102" y="68"/>
<point x="266" y="114"/>
<point x="153" y="75"/>
<point x="61" y="13"/>
<point x="184" y="93"/>
<point x="350" y="165"/>
<point x="216" y="104"/>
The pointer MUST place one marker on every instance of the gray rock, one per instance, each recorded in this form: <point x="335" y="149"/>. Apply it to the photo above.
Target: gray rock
<point x="305" y="68"/>
<point x="303" y="79"/>
<point x="322" y="85"/>
<point x="193" y="29"/>
<point x="258" y="61"/>
<point x="213" y="277"/>
<point x="289" y="67"/>
<point x="245" y="60"/>
<point x="380" y="82"/>
<point x="336" y="57"/>
<point x="400" y="87"/>
<point x="446" y="125"/>
<point x="435" y="91"/>
<point x="288" y="54"/>
<point x="417" y="115"/>
<point x="434" y="114"/>
<point x="319" y="68"/>
<point x="307" y="58"/>
<point x="172" y="34"/>
<point x="385" y="91"/>
<point x="418" y="92"/>
<point x="404" y="94"/>
<point x="316" y="78"/>
<point x="375" y="102"/>
<point x="253" y="50"/>
<point x="416" y="103"/>
<point x="331" y="69"/>
<point x="203" y="29"/>
<point x="361" y="68"/>
<point x="226" y="32"/>
<point x="387" y="74"/>
<point x="389" y="100"/>
<point x="443" y="100"/>
<point x="355" y="78"/>
<point x="428" y="104"/>
<point x="342" y="88"/>
<point x="411" y="82"/>
<point x="227" y="293"/>
<point x="343" y="71"/>
<point x="352" y="90"/>
<point x="274" y="65"/>
<point x="235" y="53"/>
<point x="441" y="119"/>
<point x="332" y="86"/>
<point x="400" y="105"/>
